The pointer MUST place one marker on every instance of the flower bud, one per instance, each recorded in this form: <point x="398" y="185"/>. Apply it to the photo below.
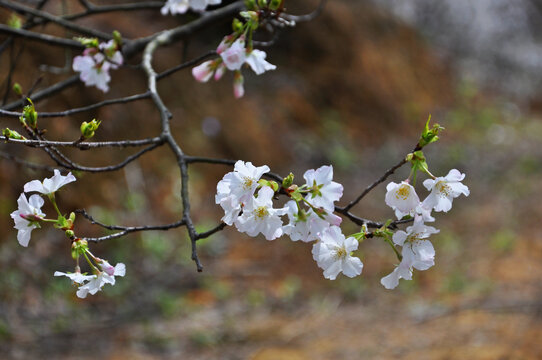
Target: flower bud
<point x="117" y="38"/>
<point x="88" y="128"/>
<point x="237" y="25"/>
<point x="70" y="234"/>
<point x="262" y="3"/>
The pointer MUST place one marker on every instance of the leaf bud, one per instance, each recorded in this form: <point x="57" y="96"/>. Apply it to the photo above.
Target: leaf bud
<point x="237" y="25"/>
<point x="275" y="4"/>
<point x="288" y="181"/>
<point x="17" y="89"/>
<point x="88" y="128"/>
<point x="30" y="114"/>
<point x="12" y="134"/>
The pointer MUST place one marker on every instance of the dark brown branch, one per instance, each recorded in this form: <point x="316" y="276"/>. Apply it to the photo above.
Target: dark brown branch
<point x="85" y="145"/>
<point x="55" y="19"/>
<point x="47" y="39"/>
<point x="25" y="163"/>
<point x="124" y="229"/>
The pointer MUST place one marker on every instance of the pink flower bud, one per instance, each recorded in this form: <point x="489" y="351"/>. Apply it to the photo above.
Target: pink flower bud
<point x="203" y="72"/>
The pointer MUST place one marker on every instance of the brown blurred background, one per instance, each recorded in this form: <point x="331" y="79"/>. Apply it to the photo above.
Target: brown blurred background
<point x="353" y="89"/>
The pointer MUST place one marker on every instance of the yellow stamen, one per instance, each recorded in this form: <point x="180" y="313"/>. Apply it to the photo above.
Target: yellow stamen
<point x="261" y="212"/>
<point x="403" y="192"/>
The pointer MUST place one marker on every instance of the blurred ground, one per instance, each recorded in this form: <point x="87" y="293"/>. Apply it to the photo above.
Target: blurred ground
<point x="352" y="89"/>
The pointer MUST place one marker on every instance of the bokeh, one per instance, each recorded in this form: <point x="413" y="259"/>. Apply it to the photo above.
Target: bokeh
<point x="353" y="88"/>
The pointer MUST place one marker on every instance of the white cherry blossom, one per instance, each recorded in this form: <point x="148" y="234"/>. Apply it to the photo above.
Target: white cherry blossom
<point x="239" y="184"/>
<point x="49" y="185"/>
<point x="76" y="277"/>
<point x="256" y="60"/>
<point x="23" y="216"/>
<point x="323" y="191"/>
<point x="259" y="216"/>
<point x="235" y="55"/>
<point x="402" y="197"/>
<point x="417" y="252"/>
<point x="308" y="227"/>
<point x="96" y="283"/>
<point x="332" y="254"/>
<point x="444" y="190"/>
<point x="94" y="66"/>
<point x="181" y="6"/>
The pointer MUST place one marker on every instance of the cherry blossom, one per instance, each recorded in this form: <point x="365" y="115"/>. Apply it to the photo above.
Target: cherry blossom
<point x="49" y="185"/>
<point x="235" y="55"/>
<point x="259" y="216"/>
<point x="25" y="217"/>
<point x="256" y="61"/>
<point x="237" y="187"/>
<point x="417" y="252"/>
<point x="182" y="6"/>
<point x="332" y="254"/>
<point x="444" y="190"/>
<point x="94" y="65"/>
<point x="323" y="192"/>
<point x="309" y="225"/>
<point x="402" y="197"/>
<point x="76" y="277"/>
<point x="96" y="283"/>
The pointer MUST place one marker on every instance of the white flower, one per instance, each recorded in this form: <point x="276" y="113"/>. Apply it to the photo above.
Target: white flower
<point x="96" y="283"/>
<point x="181" y="6"/>
<point x="444" y="190"/>
<point x="76" y="277"/>
<point x="256" y="60"/>
<point x="237" y="187"/>
<point x="259" y="216"/>
<point x="27" y="210"/>
<point x="418" y="252"/>
<point x="332" y="254"/>
<point x="308" y="227"/>
<point x="94" y="66"/>
<point x="402" y="197"/>
<point x="235" y="55"/>
<point x="421" y="210"/>
<point x="49" y="185"/>
<point x="323" y="191"/>
<point x="92" y="73"/>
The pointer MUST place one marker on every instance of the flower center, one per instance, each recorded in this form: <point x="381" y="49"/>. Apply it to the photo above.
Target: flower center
<point x="261" y="212"/>
<point x="340" y="253"/>
<point x="403" y="192"/>
<point x="412" y="238"/>
<point x="247" y="182"/>
<point x="443" y="189"/>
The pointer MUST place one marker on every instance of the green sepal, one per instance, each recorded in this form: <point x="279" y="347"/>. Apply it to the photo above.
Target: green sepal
<point x="79" y="247"/>
<point x="418" y="161"/>
<point x="272" y="184"/>
<point x="429" y="135"/>
<point x="262" y="3"/>
<point x="62" y="223"/>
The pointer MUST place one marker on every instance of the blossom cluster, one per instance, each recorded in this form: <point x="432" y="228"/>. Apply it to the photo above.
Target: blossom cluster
<point x="417" y="251"/>
<point x="96" y="62"/>
<point x="247" y="201"/>
<point x="233" y="55"/>
<point x="29" y="216"/>
<point x="181" y="6"/>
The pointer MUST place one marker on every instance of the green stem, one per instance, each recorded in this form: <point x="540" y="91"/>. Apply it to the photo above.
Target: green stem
<point x="51" y="197"/>
<point x="388" y="240"/>
<point x="93" y="267"/>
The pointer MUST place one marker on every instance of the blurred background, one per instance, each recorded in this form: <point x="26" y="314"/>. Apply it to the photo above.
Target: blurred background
<point x="353" y="89"/>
